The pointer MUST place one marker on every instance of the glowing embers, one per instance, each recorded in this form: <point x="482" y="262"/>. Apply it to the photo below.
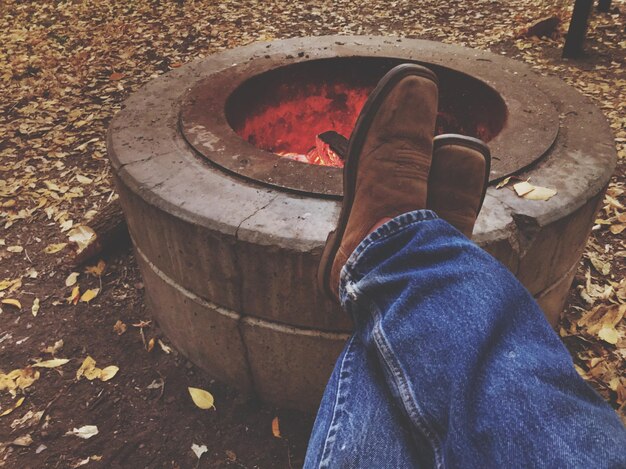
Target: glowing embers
<point x="306" y="125"/>
<point x="293" y="125"/>
<point x="330" y="150"/>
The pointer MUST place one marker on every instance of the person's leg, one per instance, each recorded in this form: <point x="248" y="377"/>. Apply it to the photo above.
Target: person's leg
<point x="469" y="356"/>
<point x="358" y="424"/>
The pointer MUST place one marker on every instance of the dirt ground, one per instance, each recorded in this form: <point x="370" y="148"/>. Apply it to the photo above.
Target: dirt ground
<point x="65" y="69"/>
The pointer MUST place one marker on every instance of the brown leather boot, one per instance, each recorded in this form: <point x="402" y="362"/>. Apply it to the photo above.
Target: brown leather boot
<point x="458" y="180"/>
<point x="387" y="164"/>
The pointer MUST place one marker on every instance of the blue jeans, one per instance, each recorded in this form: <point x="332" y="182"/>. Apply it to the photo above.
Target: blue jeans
<point x="452" y="364"/>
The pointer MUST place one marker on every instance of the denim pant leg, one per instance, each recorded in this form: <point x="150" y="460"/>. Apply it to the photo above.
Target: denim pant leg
<point x="358" y="424"/>
<point x="467" y="354"/>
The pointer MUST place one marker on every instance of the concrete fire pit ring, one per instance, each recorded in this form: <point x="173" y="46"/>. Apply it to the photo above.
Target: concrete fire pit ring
<point x="229" y="264"/>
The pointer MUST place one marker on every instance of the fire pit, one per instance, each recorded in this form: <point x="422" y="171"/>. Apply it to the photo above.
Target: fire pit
<point x="230" y="186"/>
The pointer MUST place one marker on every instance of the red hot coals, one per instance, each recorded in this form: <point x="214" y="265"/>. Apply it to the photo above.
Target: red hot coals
<point x="304" y="127"/>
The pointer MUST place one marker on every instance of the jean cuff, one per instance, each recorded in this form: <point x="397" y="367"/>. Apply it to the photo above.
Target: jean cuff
<point x="349" y="271"/>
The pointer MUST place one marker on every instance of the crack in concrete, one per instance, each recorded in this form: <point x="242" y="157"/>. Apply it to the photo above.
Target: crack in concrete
<point x="240" y="321"/>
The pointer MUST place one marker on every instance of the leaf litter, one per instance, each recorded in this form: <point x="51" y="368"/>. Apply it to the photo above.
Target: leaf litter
<point x="62" y="80"/>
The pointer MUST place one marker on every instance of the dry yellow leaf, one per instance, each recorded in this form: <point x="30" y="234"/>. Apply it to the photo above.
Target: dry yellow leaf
<point x="25" y="377"/>
<point x="108" y="373"/>
<point x="540" y="193"/>
<point x="54" y="248"/>
<point x="12" y="285"/>
<point x="89" y="295"/>
<point x="617" y="229"/>
<point x="503" y="183"/>
<point x="150" y="345"/>
<point x="8" y="283"/>
<point x="201" y="398"/>
<point x="522" y="188"/>
<point x="74" y="296"/>
<point x="609" y="334"/>
<point x="23" y="441"/>
<point x="88" y="365"/>
<point x="15" y="406"/>
<point x="602" y="316"/>
<point x="15" y="249"/>
<point x="83" y="179"/>
<point x="12" y="302"/>
<point x="7" y="383"/>
<point x="71" y="279"/>
<point x="51" y="363"/>
<point x="52" y="186"/>
<point x="528" y="191"/>
<point x="276" y="428"/>
<point x="35" y="308"/>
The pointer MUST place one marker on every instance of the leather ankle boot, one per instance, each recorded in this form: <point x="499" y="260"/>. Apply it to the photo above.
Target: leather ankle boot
<point x="387" y="165"/>
<point x="458" y="180"/>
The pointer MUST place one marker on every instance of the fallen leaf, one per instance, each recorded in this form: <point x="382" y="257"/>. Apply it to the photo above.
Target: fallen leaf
<point x="24" y="440"/>
<point x="523" y="188"/>
<point x="54" y="248"/>
<point x="71" y="279"/>
<point x="74" y="296"/>
<point x="276" y="428"/>
<point x="601" y="267"/>
<point x="35" y="308"/>
<point x="198" y="450"/>
<point x="528" y="191"/>
<point x="51" y="363"/>
<point x="108" y="372"/>
<point x="83" y="179"/>
<point x="89" y="295"/>
<point x="609" y="334"/>
<point x="29" y="419"/>
<point x="116" y="76"/>
<point x="80" y="462"/>
<point x="201" y="398"/>
<point x="58" y="345"/>
<point x="96" y="270"/>
<point x="12" y="285"/>
<point x="503" y="183"/>
<point x="150" y="345"/>
<point x="20" y="378"/>
<point x="119" y="327"/>
<point x="15" y="249"/>
<point x="52" y="186"/>
<point x="540" y="193"/>
<point x="12" y="302"/>
<point x="66" y="225"/>
<point x="164" y="347"/>
<point x="84" y="432"/>
<point x="15" y="406"/>
<point x="87" y="367"/>
<point x="81" y="235"/>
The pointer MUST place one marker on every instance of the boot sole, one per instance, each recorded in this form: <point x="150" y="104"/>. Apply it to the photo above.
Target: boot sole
<point x="471" y="142"/>
<point x="350" y="169"/>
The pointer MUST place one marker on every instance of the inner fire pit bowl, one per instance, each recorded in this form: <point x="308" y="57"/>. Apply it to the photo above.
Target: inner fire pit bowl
<point x="228" y="235"/>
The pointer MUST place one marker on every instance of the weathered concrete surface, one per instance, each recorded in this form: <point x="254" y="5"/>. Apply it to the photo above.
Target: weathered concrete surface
<point x="211" y="243"/>
<point x="290" y="366"/>
<point x="208" y="335"/>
